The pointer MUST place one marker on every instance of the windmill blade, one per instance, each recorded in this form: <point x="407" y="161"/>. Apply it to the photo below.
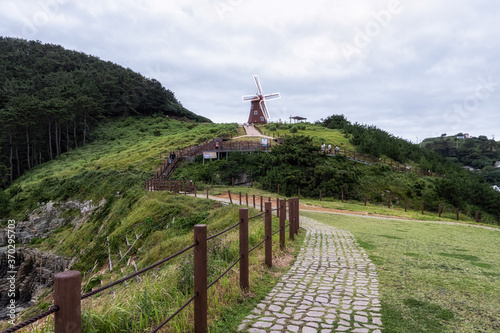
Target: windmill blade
<point x="263" y="106"/>
<point x="257" y="83"/>
<point x="250" y="98"/>
<point x="272" y="96"/>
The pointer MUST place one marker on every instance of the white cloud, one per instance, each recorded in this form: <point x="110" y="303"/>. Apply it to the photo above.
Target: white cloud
<point x="408" y="70"/>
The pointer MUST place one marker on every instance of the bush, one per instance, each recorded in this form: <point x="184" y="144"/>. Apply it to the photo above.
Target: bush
<point x="294" y="129"/>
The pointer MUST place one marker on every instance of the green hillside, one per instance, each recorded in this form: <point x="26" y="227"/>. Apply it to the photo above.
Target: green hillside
<point x="479" y="153"/>
<point x="123" y="153"/>
<point x="52" y="98"/>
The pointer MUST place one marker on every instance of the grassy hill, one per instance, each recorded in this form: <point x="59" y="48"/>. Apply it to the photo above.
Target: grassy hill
<point x="52" y="98"/>
<point x="479" y="153"/>
<point x="124" y="152"/>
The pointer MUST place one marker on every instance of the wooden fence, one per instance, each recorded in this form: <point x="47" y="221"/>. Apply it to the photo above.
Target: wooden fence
<point x="67" y="285"/>
<point x="167" y="167"/>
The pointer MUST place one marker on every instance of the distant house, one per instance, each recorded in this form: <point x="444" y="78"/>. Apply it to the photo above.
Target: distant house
<point x="466" y="135"/>
<point x="497" y="164"/>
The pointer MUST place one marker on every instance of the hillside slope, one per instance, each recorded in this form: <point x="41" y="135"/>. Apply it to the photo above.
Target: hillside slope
<point x="52" y="98"/>
<point x="479" y="153"/>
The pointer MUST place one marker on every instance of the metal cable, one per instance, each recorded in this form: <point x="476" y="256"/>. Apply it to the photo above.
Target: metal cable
<point x="54" y="308"/>
<point x="224" y="231"/>
<point x="256" y="215"/>
<point x="225" y="272"/>
<point x="256" y="246"/>
<point x="274" y="233"/>
<point x="137" y="273"/>
<point x="175" y="313"/>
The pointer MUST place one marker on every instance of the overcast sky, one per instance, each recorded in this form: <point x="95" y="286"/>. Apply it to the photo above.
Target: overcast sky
<point x="412" y="68"/>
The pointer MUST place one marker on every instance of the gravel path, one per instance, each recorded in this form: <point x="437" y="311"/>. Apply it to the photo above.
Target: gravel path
<point x="332" y="287"/>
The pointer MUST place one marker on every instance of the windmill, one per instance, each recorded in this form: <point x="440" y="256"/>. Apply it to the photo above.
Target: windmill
<point x="258" y="108"/>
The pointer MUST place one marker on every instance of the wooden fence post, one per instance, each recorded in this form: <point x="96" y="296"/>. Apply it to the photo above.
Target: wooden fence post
<point x="282" y="222"/>
<point x="389" y="202"/>
<point x="207" y="192"/>
<point x="244" y="282"/>
<point x="253" y="200"/>
<point x="406" y="204"/>
<point x="297" y="217"/>
<point x="200" y="278"/>
<point x="278" y="189"/>
<point x="67" y="296"/>
<point x="299" y="193"/>
<point x="319" y="195"/>
<point x="195" y="190"/>
<point x="477" y="216"/>
<point x="240" y="198"/>
<point x="291" y="230"/>
<point x="342" y="196"/>
<point x="268" y="232"/>
<point x="439" y="210"/>
<point x="365" y="199"/>
<point x="261" y="203"/>
<point x="229" y="193"/>
<point x="458" y="214"/>
<point x="232" y="181"/>
<point x="277" y="207"/>
<point x="246" y="199"/>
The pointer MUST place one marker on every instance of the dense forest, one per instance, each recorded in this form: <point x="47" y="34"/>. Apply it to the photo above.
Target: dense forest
<point x="479" y="153"/>
<point x="51" y="99"/>
<point x="377" y="142"/>
<point x="296" y="164"/>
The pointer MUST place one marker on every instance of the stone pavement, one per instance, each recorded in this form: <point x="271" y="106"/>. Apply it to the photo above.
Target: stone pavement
<point x="332" y="287"/>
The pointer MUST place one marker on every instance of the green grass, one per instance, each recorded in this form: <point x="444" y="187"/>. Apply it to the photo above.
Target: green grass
<point x="122" y="154"/>
<point x="320" y="134"/>
<point x="141" y="305"/>
<point x="347" y="206"/>
<point x="433" y="277"/>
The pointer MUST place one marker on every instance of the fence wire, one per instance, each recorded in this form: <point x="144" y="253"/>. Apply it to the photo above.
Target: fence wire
<point x="138" y="272"/>
<point x="25" y="323"/>
<point x="175" y="313"/>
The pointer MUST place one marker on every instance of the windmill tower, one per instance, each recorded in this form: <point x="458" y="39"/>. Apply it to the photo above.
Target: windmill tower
<point x="258" y="108"/>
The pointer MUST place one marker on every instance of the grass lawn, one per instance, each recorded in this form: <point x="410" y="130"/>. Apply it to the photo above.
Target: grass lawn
<point x="319" y="133"/>
<point x="433" y="277"/>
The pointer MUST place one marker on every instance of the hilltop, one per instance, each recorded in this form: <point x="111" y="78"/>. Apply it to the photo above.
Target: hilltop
<point x="51" y="99"/>
<point x="479" y="153"/>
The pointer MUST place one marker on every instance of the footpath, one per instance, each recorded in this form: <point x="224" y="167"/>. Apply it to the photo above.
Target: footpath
<point x="332" y="287"/>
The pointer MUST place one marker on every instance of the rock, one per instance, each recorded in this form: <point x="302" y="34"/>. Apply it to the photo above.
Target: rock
<point x="49" y="217"/>
<point x="35" y="271"/>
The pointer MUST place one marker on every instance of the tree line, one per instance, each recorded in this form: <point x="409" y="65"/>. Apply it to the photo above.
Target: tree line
<point x="51" y="99"/>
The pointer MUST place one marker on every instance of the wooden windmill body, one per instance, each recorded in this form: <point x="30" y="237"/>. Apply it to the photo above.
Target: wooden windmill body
<point x="258" y="109"/>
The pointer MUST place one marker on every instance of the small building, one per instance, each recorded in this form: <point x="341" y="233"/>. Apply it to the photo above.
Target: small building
<point x="297" y="119"/>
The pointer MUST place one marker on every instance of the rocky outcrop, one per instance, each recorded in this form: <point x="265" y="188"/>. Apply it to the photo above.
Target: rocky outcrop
<point x="49" y="217"/>
<point x="34" y="271"/>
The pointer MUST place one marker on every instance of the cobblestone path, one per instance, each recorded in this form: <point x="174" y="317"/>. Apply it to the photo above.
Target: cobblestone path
<point x="332" y="287"/>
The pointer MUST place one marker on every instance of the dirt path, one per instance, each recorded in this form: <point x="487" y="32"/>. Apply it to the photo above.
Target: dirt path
<point x="253" y="132"/>
<point x="224" y="197"/>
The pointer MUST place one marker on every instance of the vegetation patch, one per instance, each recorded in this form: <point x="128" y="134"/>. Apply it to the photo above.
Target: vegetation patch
<point x="424" y="286"/>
